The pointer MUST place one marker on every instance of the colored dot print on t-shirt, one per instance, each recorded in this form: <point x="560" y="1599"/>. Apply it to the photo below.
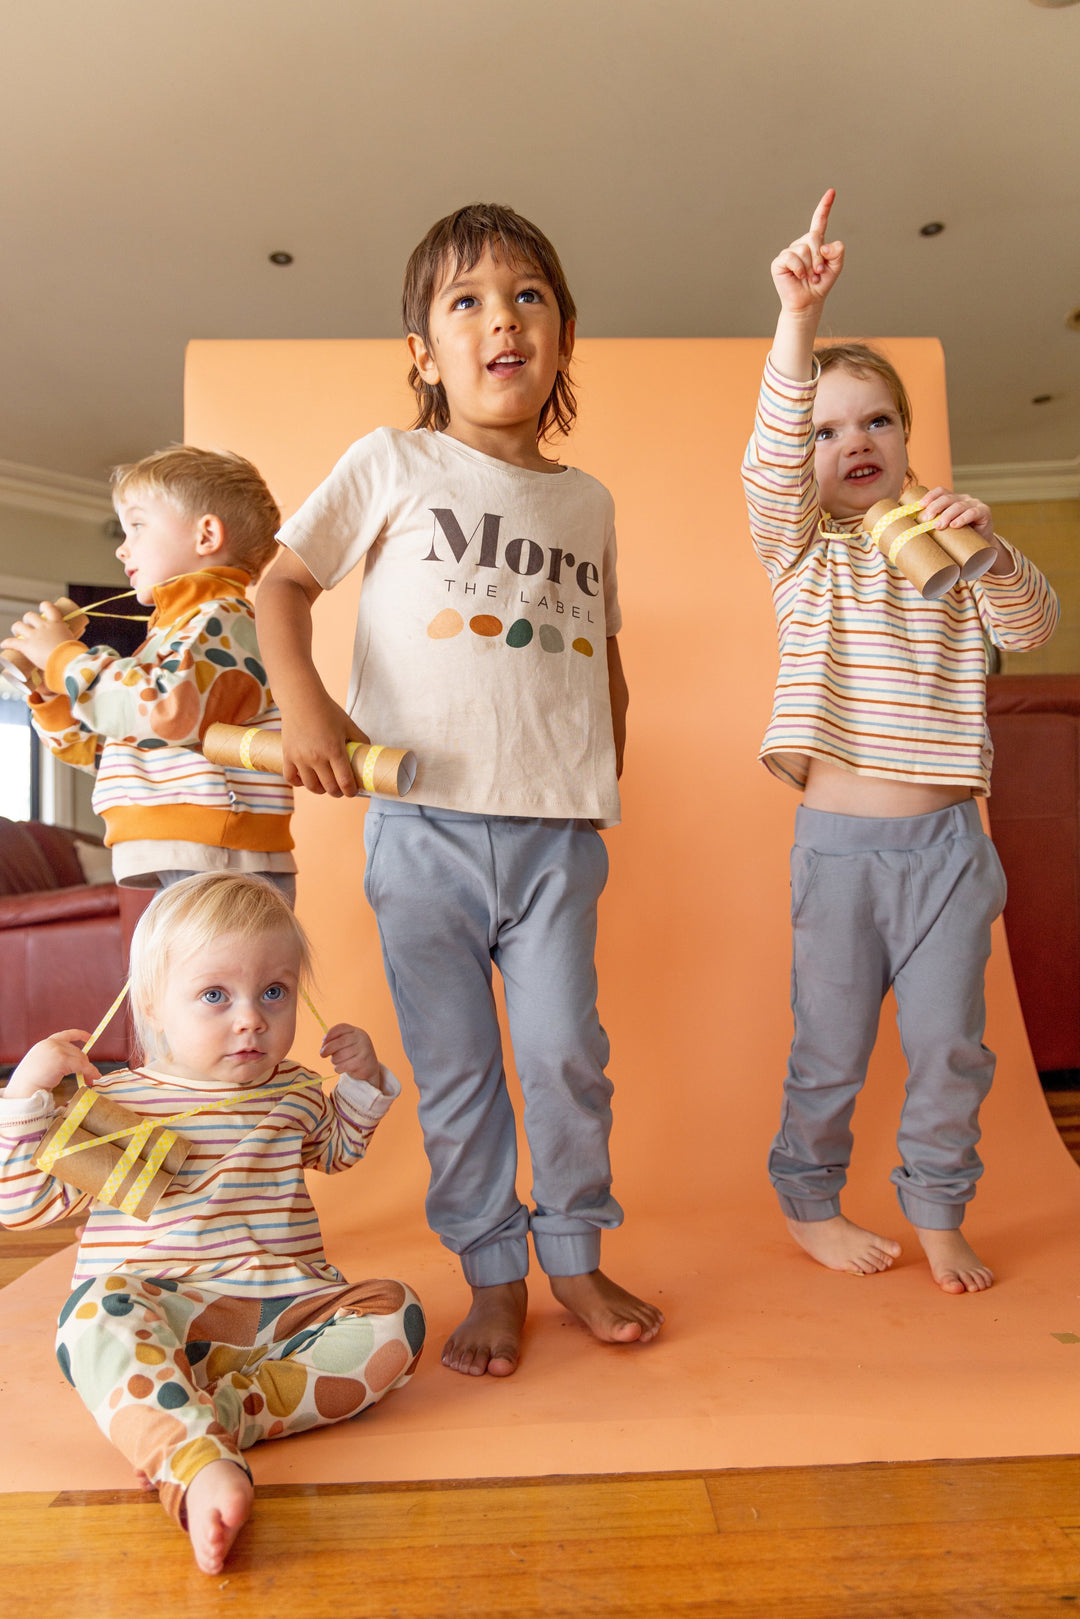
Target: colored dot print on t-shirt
<point x="445" y="624"/>
<point x="583" y="646"/>
<point x="485" y="624"/>
<point x="550" y="638"/>
<point x="520" y="633"/>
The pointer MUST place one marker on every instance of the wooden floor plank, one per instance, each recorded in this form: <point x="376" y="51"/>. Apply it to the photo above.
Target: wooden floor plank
<point x="624" y="1547"/>
<point x="893" y="1493"/>
<point x="317" y="1555"/>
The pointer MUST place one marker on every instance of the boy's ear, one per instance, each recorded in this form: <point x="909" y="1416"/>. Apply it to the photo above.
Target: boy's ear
<point x="210" y="535"/>
<point x="423" y="359"/>
<point x="566" y="344"/>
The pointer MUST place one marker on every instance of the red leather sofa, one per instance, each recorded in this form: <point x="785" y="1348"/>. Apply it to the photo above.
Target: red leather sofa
<point x="1035" y="821"/>
<point x="63" y="942"/>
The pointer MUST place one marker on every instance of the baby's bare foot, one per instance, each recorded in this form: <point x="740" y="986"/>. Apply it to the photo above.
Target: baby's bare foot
<point x="489" y="1338"/>
<point x="839" y="1244"/>
<point x="143" y="1480"/>
<point x="954" y="1265"/>
<point x="217" y="1504"/>
<point x="611" y="1313"/>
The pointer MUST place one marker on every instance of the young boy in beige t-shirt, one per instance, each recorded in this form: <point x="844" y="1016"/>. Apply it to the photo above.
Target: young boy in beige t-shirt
<point x="486" y="642"/>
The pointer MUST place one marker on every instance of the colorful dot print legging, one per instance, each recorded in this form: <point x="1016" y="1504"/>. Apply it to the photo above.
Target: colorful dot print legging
<point x="180" y="1376"/>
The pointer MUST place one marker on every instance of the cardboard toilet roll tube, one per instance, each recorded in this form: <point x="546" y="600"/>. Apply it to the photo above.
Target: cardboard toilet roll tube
<point x="963" y="545"/>
<point x="387" y="772"/>
<point x="137" y="1185"/>
<point x="921" y="559"/>
<point x="29" y="673"/>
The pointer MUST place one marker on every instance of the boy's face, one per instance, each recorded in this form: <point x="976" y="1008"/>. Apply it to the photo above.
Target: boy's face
<point x="495" y="342"/>
<point x="860" y="454"/>
<point x="160" y="542"/>
<point x="227" y="1011"/>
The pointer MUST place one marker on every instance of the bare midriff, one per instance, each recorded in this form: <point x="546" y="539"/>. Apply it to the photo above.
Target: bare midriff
<point x="842" y="792"/>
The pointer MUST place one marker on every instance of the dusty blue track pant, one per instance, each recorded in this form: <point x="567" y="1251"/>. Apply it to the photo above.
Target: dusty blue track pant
<point x="905" y="903"/>
<point x="454" y="893"/>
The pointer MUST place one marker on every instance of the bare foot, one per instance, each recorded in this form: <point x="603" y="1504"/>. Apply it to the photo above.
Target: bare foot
<point x="217" y="1504"/>
<point x="611" y="1313"/>
<point x="489" y="1338"/>
<point x="142" y="1480"/>
<point x="954" y="1264"/>
<point x="839" y="1244"/>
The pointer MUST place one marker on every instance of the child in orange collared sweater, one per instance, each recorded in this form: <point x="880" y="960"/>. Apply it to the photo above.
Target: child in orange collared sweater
<point x="198" y="527"/>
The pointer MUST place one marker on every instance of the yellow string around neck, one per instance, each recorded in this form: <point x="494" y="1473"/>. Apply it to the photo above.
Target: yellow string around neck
<point x="93" y="609"/>
<point x="828" y="531"/>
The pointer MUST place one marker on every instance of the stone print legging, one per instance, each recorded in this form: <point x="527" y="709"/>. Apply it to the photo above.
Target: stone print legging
<point x="178" y="1376"/>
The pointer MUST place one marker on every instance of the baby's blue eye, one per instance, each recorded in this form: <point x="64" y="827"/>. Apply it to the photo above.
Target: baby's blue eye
<point x="464" y="302"/>
<point x="530" y="295"/>
<point x="881" y="421"/>
<point x="213" y="997"/>
<point x="823" y="433"/>
<point x="276" y="992"/>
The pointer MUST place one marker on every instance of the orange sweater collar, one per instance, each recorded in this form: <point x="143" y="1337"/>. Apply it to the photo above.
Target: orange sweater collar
<point x="178" y="598"/>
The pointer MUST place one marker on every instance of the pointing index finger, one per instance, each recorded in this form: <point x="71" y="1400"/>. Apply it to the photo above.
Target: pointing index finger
<point x="820" y="220"/>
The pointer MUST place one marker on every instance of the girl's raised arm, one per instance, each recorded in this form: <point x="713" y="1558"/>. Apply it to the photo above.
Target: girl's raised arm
<point x="804" y="274"/>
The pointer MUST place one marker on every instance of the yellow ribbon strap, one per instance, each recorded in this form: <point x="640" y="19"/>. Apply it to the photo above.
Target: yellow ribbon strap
<point x="369" y="767"/>
<point x="245" y="747"/>
<point x="140" y="1135"/>
<point x="309" y="1003"/>
<point x="76" y="1113"/>
<point x="154" y="1160"/>
<point x="909" y="534"/>
<point x="910" y="510"/>
<point x="102" y="1026"/>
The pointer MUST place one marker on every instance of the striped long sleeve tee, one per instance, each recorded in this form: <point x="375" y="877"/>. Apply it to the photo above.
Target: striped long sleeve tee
<point x="872" y="677"/>
<point x="238" y="1216"/>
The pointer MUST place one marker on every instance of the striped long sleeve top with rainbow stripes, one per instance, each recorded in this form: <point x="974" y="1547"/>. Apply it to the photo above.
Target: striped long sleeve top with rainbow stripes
<point x="238" y="1216"/>
<point x="872" y="677"/>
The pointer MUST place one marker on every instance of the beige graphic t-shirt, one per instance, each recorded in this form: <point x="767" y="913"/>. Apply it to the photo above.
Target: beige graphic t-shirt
<point x="489" y="593"/>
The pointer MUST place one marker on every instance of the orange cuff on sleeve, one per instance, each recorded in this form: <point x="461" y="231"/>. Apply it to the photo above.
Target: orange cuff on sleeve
<point x="52" y="713"/>
<point x="58" y="660"/>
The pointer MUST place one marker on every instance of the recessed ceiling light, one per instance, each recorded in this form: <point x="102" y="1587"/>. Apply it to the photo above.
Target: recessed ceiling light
<point x="1042" y="399"/>
<point x="934" y="228"/>
<point x="281" y="258"/>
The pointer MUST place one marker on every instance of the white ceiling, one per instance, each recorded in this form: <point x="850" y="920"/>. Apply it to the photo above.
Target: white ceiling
<point x="158" y="150"/>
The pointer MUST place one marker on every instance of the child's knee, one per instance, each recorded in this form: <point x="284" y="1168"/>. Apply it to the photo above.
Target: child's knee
<point x="392" y="1333"/>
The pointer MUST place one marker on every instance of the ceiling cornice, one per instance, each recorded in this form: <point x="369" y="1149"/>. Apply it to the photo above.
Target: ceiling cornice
<point x="35" y="489"/>
<point x="1021" y="480"/>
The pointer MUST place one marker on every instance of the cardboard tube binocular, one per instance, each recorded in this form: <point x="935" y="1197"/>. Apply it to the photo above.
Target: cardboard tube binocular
<point x="387" y="772"/>
<point x="933" y="561"/>
<point x="130" y="1172"/>
<point x="28" y="673"/>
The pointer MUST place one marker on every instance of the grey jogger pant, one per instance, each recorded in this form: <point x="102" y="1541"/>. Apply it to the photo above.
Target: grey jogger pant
<point x="453" y="893"/>
<point x="905" y="903"/>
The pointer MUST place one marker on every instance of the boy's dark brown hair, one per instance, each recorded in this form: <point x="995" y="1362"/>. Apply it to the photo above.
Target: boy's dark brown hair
<point x="457" y="243"/>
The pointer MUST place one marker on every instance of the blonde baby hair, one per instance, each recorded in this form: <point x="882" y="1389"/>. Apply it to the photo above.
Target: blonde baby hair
<point x="214" y="483"/>
<point x="189" y="914"/>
